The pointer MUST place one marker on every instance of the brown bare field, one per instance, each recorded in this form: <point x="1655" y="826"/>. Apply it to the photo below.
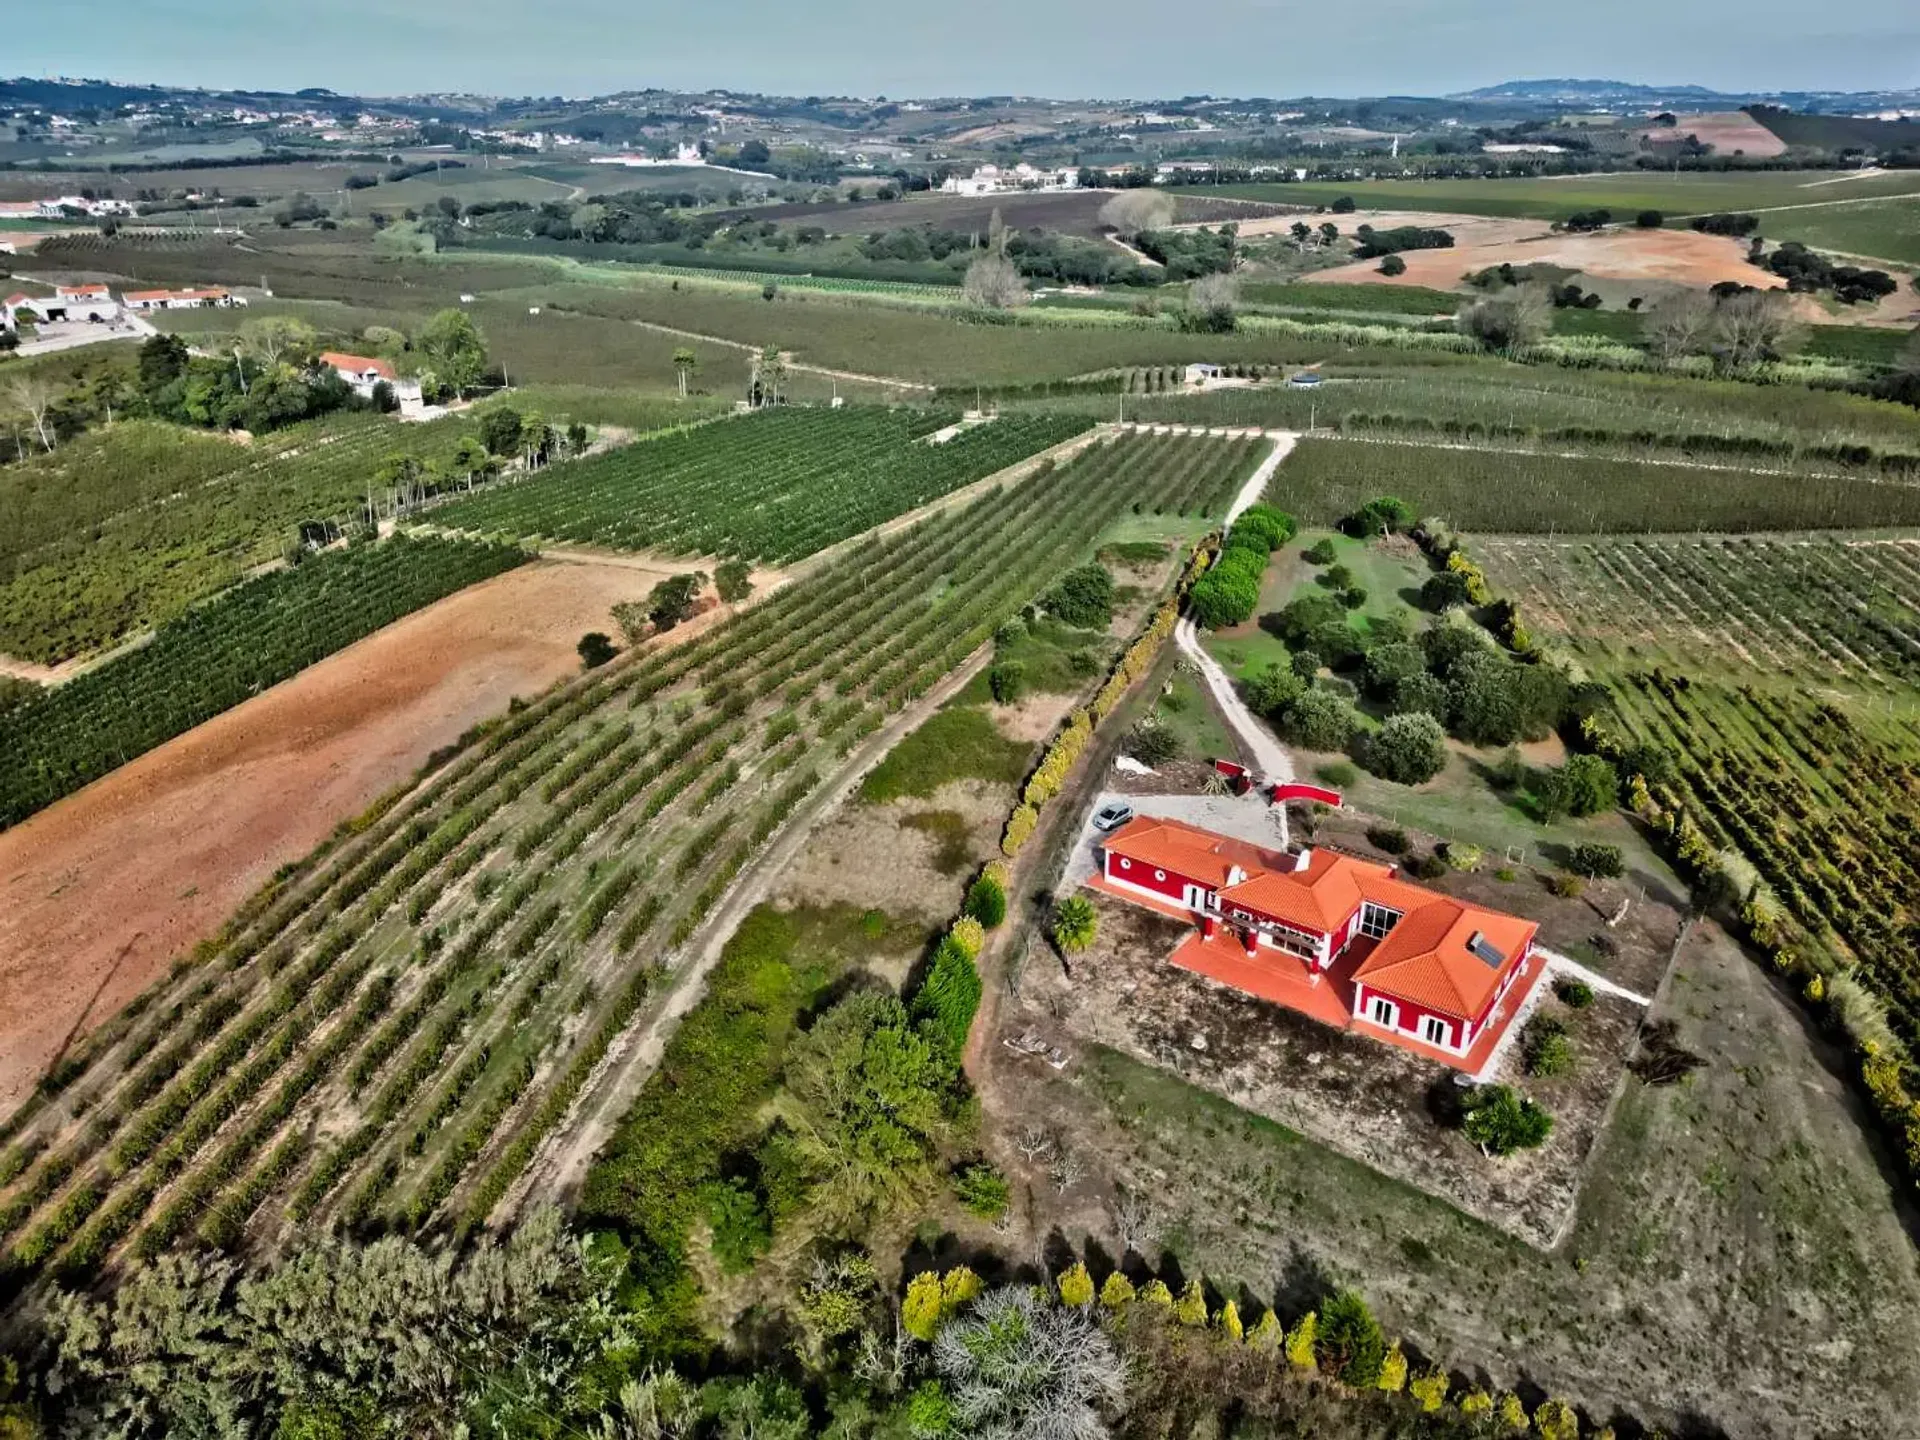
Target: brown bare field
<point x="1729" y="133"/>
<point x="1682" y="257"/>
<point x="99" y="892"/>
<point x="1465" y="229"/>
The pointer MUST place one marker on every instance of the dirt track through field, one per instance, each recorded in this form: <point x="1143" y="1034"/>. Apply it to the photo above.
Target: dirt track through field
<point x="557" y="1175"/>
<point x="99" y="892"/>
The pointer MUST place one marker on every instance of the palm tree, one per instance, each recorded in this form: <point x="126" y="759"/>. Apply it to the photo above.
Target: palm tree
<point x="1074" y="924"/>
<point x="686" y="364"/>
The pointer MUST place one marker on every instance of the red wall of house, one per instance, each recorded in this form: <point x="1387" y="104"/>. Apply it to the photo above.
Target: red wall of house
<point x="1512" y="970"/>
<point x="1410" y="1014"/>
<point x="1140" y="873"/>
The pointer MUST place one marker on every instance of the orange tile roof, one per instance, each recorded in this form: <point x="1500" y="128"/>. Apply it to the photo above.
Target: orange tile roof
<point x="80" y="290"/>
<point x="358" y="364"/>
<point x="1320" y="897"/>
<point x="146" y="294"/>
<point x="1425" y="958"/>
<point x="1188" y="850"/>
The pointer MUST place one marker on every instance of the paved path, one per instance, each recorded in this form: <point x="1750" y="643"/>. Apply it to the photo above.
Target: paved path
<point x="1270" y="758"/>
<point x="1256" y="486"/>
<point x="1557" y="964"/>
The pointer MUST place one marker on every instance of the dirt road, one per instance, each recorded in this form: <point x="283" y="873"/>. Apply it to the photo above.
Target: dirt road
<point x="556" y="1175"/>
<point x="99" y="892"/>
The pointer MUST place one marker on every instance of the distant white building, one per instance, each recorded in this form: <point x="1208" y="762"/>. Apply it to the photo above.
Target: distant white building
<point x="365" y="372"/>
<point x="1524" y="149"/>
<point x="992" y="180"/>
<point x="80" y="302"/>
<point x="210" y="298"/>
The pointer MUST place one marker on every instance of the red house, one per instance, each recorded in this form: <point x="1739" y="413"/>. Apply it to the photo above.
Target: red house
<point x="1405" y="962"/>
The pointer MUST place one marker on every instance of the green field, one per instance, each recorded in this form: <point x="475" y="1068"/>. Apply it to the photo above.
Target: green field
<point x="215" y="656"/>
<point x="167" y="516"/>
<point x="1520" y="492"/>
<point x="1557" y="197"/>
<point x="1886" y="230"/>
<point x="775" y="487"/>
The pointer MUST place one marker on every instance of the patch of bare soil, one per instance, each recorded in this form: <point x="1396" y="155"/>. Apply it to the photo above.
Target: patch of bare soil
<point x="1032" y="718"/>
<point x="1682" y="257"/>
<point x="1729" y="133"/>
<point x="100" y="891"/>
<point x="875" y="857"/>
<point x="1465" y="229"/>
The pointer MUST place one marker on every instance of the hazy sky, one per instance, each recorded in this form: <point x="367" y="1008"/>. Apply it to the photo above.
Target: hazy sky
<point x="1065" y="48"/>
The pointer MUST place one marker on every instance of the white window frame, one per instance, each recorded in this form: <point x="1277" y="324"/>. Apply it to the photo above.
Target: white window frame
<point x="1160" y="875"/>
<point x="1377" y="920"/>
<point x="1436" y="1031"/>
<point x="1125" y="864"/>
<point x="1383" y="1011"/>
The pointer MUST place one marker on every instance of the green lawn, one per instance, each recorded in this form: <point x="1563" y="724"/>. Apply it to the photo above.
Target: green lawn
<point x="1887" y="230"/>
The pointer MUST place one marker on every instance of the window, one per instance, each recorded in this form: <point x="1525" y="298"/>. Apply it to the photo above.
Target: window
<point x="1126" y="864"/>
<point x="1383" y="1011"/>
<point x="1159" y="874"/>
<point x="1377" y="920"/>
<point x="1435" y="1031"/>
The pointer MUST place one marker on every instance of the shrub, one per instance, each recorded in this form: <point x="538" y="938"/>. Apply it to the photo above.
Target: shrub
<point x="1501" y="1122"/>
<point x="1321" y="552"/>
<point x="1354" y="596"/>
<point x="1389" y="838"/>
<point x="1229" y="592"/>
<point x="1407" y="749"/>
<point x="1545" y="1046"/>
<point x="983" y="1190"/>
<point x="1574" y="994"/>
<point x="1386" y="665"/>
<point x="1567" y="887"/>
<point x="1082" y="597"/>
<point x="1597" y="861"/>
<point x="1116" y="1292"/>
<point x="742" y="1231"/>
<point x="1462" y="856"/>
<point x="1076" y="1286"/>
<point x="1318" y="720"/>
<point x="1272" y="528"/>
<point x="986" y="901"/>
<point x="1007" y="681"/>
<point x="1385" y="515"/>
<point x="1152" y="743"/>
<point x="1392" y="265"/>
<point x="595" y="649"/>
<point x="1350" y="1346"/>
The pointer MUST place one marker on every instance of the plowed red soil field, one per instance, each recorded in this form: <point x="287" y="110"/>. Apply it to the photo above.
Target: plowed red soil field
<point x="99" y="892"/>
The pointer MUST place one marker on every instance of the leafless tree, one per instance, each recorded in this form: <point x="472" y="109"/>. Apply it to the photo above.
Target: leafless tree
<point x="1132" y="211"/>
<point x="1020" y="1367"/>
<point x="1755" y="326"/>
<point x="33" y="398"/>
<point x="1680" y="325"/>
<point x="1035" y="1141"/>
<point x="1066" y="1170"/>
<point x="1509" y="321"/>
<point x="1135" y="1223"/>
<point x="993" y="283"/>
<point x="1212" y="299"/>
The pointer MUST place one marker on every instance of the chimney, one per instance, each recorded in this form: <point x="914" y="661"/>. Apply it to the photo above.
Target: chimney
<point x="1303" y="859"/>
